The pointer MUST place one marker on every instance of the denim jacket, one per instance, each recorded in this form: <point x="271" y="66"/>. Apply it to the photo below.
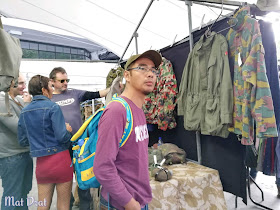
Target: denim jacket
<point x="42" y="127"/>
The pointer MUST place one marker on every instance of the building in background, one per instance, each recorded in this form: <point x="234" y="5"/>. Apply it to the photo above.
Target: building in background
<point x="42" y="45"/>
<point x="86" y="62"/>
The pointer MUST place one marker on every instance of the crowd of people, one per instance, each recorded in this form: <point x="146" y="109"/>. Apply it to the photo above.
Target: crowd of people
<point x="42" y="124"/>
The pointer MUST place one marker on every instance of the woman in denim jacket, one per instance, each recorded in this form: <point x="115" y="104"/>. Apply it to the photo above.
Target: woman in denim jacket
<point x="42" y="127"/>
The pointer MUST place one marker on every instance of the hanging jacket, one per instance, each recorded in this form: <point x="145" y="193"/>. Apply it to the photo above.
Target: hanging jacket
<point x="113" y="73"/>
<point x="271" y="153"/>
<point x="252" y="96"/>
<point x="160" y="104"/>
<point x="205" y="96"/>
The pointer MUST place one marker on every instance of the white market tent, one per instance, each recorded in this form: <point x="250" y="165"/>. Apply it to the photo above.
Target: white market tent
<point x="83" y="75"/>
<point x="111" y="23"/>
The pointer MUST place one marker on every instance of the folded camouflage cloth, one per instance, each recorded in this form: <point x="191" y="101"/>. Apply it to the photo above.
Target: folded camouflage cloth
<point x="155" y="152"/>
<point x="172" y="153"/>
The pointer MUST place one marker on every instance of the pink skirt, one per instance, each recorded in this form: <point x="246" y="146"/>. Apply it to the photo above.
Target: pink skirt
<point x="54" y="168"/>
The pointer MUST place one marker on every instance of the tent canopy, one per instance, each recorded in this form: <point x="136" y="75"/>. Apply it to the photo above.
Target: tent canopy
<point x="111" y="23"/>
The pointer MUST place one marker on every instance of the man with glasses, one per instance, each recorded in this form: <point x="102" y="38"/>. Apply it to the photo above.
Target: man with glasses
<point x="16" y="165"/>
<point x="123" y="172"/>
<point x="69" y="101"/>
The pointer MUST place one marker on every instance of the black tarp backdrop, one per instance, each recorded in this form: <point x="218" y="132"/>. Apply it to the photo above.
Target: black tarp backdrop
<point x="225" y="155"/>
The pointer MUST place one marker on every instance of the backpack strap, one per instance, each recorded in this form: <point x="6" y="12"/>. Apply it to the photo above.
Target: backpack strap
<point x="85" y="125"/>
<point x="129" y="120"/>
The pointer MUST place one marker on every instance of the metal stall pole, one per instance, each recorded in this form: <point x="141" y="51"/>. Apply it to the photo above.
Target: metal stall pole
<point x="189" y="4"/>
<point x="135" y="31"/>
<point x="136" y="43"/>
<point x="197" y="134"/>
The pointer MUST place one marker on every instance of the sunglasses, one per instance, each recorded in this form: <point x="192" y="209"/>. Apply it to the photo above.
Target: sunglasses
<point x="63" y="80"/>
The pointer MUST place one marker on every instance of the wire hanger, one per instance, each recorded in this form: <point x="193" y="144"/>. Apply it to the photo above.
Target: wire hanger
<point x="208" y="31"/>
<point x="118" y="72"/>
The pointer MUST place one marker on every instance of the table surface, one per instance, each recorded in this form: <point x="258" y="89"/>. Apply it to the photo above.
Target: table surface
<point x="192" y="186"/>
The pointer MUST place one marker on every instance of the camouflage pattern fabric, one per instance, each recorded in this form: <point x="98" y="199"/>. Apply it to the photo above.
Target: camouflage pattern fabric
<point x="172" y="153"/>
<point x="252" y="95"/>
<point x="191" y="187"/>
<point x="160" y="104"/>
<point x="155" y="152"/>
<point x="113" y="73"/>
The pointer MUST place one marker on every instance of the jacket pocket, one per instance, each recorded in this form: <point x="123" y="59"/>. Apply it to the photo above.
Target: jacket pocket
<point x="193" y="114"/>
<point x="212" y="115"/>
<point x="212" y="61"/>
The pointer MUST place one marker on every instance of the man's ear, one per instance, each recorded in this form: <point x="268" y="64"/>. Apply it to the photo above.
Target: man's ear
<point x="52" y="81"/>
<point x="45" y="92"/>
<point x="126" y="76"/>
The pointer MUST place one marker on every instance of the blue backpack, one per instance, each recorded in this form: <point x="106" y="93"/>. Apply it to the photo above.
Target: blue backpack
<point x="84" y="145"/>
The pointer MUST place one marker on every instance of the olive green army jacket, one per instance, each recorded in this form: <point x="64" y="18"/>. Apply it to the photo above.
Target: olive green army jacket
<point x="206" y="95"/>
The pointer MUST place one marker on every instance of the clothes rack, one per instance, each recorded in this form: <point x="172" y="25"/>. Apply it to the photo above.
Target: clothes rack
<point x="250" y="179"/>
<point x="189" y="4"/>
<point x="198" y="141"/>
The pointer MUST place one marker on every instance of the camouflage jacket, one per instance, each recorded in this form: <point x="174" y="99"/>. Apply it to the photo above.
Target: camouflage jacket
<point x="113" y="73"/>
<point x="160" y="104"/>
<point x="205" y="94"/>
<point x="252" y="96"/>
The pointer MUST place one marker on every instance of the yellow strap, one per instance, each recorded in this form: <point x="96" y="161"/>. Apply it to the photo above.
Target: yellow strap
<point x="84" y="126"/>
<point x="76" y="147"/>
<point x="83" y="147"/>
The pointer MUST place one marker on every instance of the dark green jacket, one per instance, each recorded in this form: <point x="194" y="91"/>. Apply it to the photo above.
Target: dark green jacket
<point x="206" y="94"/>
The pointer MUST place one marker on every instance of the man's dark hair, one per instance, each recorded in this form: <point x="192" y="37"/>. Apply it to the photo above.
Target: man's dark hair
<point x="55" y="71"/>
<point x="37" y="83"/>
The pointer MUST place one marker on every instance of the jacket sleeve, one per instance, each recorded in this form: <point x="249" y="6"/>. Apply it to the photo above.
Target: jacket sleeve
<point x="183" y="89"/>
<point x="58" y="125"/>
<point x="262" y="110"/>
<point x="90" y="95"/>
<point x="22" y="132"/>
<point x="226" y="87"/>
<point x="110" y="130"/>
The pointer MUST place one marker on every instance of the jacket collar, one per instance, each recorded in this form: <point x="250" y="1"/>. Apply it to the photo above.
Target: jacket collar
<point x="240" y="18"/>
<point x="205" y="42"/>
<point x="40" y="97"/>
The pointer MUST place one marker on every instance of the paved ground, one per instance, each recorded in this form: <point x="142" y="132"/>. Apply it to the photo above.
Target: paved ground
<point x="267" y="183"/>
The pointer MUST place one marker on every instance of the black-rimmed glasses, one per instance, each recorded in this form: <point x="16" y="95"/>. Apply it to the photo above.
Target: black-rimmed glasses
<point x="145" y="69"/>
<point x="63" y="80"/>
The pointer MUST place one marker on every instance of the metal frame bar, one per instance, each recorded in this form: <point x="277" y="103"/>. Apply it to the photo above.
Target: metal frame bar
<point x="189" y="4"/>
<point x="231" y="3"/>
<point x="215" y="6"/>
<point x="135" y="31"/>
<point x="136" y="42"/>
